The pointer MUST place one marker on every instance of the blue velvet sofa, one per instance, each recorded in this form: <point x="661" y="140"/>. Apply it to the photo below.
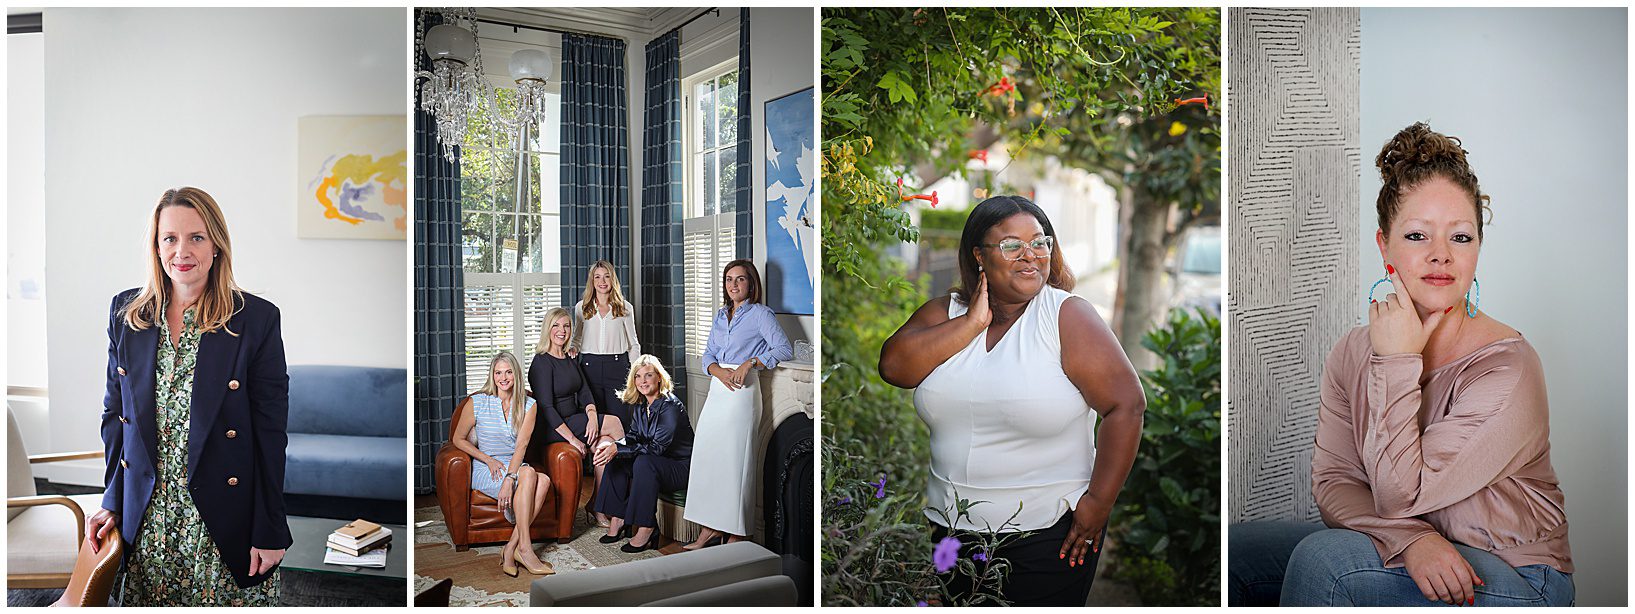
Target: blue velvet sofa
<point x="348" y="432"/>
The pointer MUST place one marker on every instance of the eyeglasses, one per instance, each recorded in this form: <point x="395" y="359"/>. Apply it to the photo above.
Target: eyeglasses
<point x="1011" y="249"/>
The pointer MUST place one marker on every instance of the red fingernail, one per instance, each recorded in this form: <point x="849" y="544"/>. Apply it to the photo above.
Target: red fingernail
<point x="1448" y="310"/>
<point x="1390" y="270"/>
<point x="1471" y="602"/>
<point x="1061" y="556"/>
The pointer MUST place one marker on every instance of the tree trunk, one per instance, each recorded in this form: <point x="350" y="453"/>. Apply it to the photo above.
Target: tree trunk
<point x="1142" y="276"/>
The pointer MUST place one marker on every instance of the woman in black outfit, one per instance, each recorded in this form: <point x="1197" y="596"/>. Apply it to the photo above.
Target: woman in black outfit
<point x="653" y="456"/>
<point x="560" y="391"/>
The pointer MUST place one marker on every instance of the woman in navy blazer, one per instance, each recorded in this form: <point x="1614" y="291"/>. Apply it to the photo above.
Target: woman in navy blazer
<point x="227" y="480"/>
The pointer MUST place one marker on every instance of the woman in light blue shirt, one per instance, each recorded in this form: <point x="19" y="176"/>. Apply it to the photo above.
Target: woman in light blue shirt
<point x="744" y="336"/>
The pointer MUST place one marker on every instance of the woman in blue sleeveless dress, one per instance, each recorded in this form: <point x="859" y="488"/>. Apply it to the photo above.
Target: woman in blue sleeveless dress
<point x="502" y="416"/>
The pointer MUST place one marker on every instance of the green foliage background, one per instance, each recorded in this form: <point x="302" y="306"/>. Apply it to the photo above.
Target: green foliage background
<point x="903" y="89"/>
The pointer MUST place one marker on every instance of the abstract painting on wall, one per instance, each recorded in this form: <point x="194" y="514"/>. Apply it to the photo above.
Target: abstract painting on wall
<point x="353" y="174"/>
<point x="791" y="210"/>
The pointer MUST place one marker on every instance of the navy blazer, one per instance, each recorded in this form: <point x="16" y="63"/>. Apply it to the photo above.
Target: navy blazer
<point x="236" y="437"/>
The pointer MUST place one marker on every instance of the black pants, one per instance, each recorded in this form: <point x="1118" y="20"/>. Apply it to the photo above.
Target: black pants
<point x="1037" y="577"/>
<point x="631" y="486"/>
<point x="606" y="374"/>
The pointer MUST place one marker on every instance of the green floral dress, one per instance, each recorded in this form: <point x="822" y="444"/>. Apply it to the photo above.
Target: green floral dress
<point x="176" y="563"/>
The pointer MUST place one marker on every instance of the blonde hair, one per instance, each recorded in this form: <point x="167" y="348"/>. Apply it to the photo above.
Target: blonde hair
<point x="630" y="394"/>
<point x="519" y="394"/>
<point x="615" y="297"/>
<point x="220" y="300"/>
<point x="544" y="344"/>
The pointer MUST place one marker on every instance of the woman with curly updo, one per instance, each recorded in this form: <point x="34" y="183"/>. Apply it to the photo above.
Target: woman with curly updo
<point x="1432" y="465"/>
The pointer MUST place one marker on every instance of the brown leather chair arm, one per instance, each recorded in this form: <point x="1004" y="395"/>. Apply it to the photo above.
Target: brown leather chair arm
<point x="563" y="463"/>
<point x="36" y="500"/>
<point x="94" y="572"/>
<point x="453" y="475"/>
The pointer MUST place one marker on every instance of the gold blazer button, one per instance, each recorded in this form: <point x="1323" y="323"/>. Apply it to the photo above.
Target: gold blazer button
<point x="121" y="370"/>
<point x="231" y="433"/>
<point x="232" y="481"/>
<point x="123" y="464"/>
<point x="232" y="384"/>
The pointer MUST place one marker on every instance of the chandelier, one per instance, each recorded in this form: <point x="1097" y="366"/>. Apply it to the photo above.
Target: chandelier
<point x="454" y="88"/>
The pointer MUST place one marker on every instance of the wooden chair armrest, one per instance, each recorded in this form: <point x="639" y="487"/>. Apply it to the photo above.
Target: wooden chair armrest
<point x="64" y="456"/>
<point x="38" y="500"/>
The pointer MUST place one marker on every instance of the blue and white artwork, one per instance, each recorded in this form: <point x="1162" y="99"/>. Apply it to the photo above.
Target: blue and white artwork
<point x="791" y="204"/>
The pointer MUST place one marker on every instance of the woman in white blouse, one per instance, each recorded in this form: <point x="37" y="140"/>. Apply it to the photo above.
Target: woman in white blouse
<point x="1011" y="372"/>
<point x="604" y="342"/>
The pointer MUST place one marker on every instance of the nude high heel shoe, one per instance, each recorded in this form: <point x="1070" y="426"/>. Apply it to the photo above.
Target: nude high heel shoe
<point x="506" y="566"/>
<point x="538" y="571"/>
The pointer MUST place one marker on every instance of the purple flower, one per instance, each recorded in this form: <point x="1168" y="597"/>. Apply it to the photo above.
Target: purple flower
<point x="921" y="604"/>
<point x="980" y="557"/>
<point x="879" y="488"/>
<point x="845" y="501"/>
<point x="946" y="554"/>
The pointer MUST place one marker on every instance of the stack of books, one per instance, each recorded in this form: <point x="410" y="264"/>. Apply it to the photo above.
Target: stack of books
<point x="360" y="543"/>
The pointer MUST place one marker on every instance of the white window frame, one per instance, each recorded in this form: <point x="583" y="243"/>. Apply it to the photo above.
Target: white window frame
<point x="525" y="314"/>
<point x="702" y="285"/>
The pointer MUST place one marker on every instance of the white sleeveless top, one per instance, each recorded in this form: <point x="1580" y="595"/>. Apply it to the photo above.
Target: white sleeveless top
<point x="1007" y="426"/>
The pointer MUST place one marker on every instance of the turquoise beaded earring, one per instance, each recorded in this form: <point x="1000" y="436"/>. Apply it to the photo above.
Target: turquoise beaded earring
<point x="1473" y="296"/>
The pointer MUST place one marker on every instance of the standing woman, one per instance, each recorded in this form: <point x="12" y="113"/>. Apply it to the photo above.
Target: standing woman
<point x="604" y="337"/>
<point x="744" y="337"/>
<point x="193" y="422"/>
<point x="1011" y="372"/>
<point x="504" y="416"/>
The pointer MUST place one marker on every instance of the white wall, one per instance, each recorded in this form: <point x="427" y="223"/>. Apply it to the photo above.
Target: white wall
<point x="781" y="62"/>
<point x="1538" y="97"/>
<point x="139" y="101"/>
<point x="25" y="223"/>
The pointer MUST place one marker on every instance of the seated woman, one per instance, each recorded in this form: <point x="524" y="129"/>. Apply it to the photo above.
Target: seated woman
<point x="560" y="388"/>
<point x="650" y="456"/>
<point x="1432" y="463"/>
<point x="504" y="418"/>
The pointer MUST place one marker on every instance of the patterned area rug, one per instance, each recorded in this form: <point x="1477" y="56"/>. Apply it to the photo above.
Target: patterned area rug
<point x="476" y="572"/>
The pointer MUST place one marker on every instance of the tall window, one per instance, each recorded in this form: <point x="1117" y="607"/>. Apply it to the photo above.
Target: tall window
<point x="510" y="245"/>
<point x="711" y="144"/>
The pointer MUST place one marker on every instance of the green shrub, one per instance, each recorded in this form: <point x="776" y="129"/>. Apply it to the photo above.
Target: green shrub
<point x="1168" y="525"/>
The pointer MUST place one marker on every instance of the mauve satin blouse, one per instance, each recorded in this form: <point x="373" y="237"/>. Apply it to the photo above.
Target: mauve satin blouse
<point x="1466" y="454"/>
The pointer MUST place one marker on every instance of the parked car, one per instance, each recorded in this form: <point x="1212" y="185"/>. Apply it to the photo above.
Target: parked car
<point x="1195" y="270"/>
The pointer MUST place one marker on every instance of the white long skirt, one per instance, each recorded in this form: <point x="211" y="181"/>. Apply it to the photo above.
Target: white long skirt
<point x="721" y="484"/>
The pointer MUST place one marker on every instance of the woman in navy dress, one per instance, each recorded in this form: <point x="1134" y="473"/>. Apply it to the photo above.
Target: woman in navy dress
<point x="650" y="456"/>
<point x="556" y="382"/>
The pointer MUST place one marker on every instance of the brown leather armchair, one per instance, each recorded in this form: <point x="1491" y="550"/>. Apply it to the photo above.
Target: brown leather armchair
<point x="475" y="518"/>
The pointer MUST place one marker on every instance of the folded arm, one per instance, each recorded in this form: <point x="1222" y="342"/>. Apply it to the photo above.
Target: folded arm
<point x="1497" y="417"/>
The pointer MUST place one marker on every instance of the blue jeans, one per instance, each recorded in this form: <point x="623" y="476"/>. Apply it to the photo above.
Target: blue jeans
<point x="1340" y="567"/>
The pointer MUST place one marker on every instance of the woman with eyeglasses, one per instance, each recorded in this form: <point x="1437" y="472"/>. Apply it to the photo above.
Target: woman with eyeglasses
<point x="1007" y="370"/>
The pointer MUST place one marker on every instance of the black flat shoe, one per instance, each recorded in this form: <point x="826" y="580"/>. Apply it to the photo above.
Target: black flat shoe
<point x="652" y="544"/>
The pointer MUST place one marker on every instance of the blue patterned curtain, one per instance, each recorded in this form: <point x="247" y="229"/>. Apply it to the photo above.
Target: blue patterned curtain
<point x="595" y="160"/>
<point x="746" y="217"/>
<point x="661" y="321"/>
<point x="439" y="319"/>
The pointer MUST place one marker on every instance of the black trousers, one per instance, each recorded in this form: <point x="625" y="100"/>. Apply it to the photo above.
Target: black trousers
<point x="606" y="374"/>
<point x="631" y="486"/>
<point x="1037" y="577"/>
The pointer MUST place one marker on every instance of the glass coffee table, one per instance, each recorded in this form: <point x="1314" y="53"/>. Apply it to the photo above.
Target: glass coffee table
<point x="307" y="554"/>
